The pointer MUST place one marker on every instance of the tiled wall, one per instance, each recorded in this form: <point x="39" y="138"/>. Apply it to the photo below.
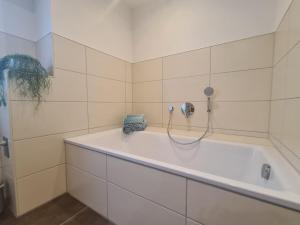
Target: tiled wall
<point x="90" y="91"/>
<point x="9" y="45"/>
<point x="285" y="106"/>
<point x="240" y="72"/>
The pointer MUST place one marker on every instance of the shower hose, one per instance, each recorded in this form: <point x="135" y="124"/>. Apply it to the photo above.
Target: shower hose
<point x="192" y="142"/>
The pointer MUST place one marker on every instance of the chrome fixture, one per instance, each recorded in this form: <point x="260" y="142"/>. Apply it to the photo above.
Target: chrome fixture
<point x="266" y="171"/>
<point x="209" y="91"/>
<point x="4" y="145"/>
<point x="187" y="109"/>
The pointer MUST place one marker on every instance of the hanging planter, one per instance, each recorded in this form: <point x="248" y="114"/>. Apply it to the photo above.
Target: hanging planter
<point x="30" y="77"/>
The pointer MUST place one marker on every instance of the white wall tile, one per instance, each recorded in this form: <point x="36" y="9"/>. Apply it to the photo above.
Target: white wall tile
<point x="44" y="52"/>
<point x="50" y="118"/>
<point x="187" y="64"/>
<point x="147" y="91"/>
<point x="247" y="116"/>
<point x="232" y="208"/>
<point x="242" y="85"/>
<point x="251" y="53"/>
<point x="104" y="114"/>
<point x="88" y="189"/>
<point x="69" y="55"/>
<point x="36" y="189"/>
<point x="86" y="160"/>
<point x="163" y="188"/>
<point x="105" y="90"/>
<point x="152" y="111"/>
<point x="149" y="70"/>
<point x="36" y="154"/>
<point x="104" y="65"/>
<point x="10" y="44"/>
<point x="125" y="208"/>
<point x="185" y="89"/>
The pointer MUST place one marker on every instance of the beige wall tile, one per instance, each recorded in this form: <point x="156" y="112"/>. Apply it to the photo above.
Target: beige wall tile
<point x="100" y="129"/>
<point x="277" y="117"/>
<point x="76" y="91"/>
<point x="281" y="39"/>
<point x="198" y="119"/>
<point x="294" y="24"/>
<point x="50" y="118"/>
<point x="129" y="108"/>
<point x="129" y="72"/>
<point x="147" y="70"/>
<point x="67" y="86"/>
<point x="152" y="111"/>
<point x="69" y="55"/>
<point x="39" y="188"/>
<point x="105" y="90"/>
<point x="187" y="64"/>
<point x="147" y="91"/>
<point x="290" y="133"/>
<point x="36" y="154"/>
<point x="129" y="90"/>
<point x="280" y="72"/>
<point x="104" y="65"/>
<point x="243" y="85"/>
<point x="185" y="89"/>
<point x="293" y="71"/>
<point x="251" y="53"/>
<point x="246" y="116"/>
<point x="104" y="114"/>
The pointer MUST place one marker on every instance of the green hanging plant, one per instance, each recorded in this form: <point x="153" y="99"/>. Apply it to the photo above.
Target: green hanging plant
<point x="30" y="77"/>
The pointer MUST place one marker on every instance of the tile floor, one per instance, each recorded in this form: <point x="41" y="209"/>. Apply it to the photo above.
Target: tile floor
<point x="63" y="210"/>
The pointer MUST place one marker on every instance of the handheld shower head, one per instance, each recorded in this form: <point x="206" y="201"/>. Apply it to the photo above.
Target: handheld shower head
<point x="209" y="91"/>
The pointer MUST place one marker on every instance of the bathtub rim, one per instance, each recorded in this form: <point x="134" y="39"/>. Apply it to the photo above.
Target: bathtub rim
<point x="283" y="198"/>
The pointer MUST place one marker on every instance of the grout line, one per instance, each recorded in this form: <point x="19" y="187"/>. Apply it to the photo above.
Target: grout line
<point x="47" y="135"/>
<point x="186" y="199"/>
<point x="40" y="171"/>
<point x="76" y="214"/>
<point x="203" y="101"/>
<point x="87" y="91"/>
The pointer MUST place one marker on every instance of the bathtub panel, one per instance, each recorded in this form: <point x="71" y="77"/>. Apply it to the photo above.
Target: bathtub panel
<point x="212" y="206"/>
<point x="126" y="208"/>
<point x="87" y="160"/>
<point x="88" y="189"/>
<point x="163" y="188"/>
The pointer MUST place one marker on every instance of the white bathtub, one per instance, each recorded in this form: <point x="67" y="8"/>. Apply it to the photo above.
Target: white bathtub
<point x="231" y="166"/>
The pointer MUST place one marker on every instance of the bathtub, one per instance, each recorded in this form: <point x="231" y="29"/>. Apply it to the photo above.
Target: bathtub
<point x="194" y="182"/>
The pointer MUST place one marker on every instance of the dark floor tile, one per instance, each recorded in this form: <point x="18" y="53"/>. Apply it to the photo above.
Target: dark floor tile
<point x="88" y="217"/>
<point x="52" y="213"/>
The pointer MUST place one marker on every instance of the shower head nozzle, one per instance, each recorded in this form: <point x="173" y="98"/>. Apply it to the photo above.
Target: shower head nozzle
<point x="209" y="91"/>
